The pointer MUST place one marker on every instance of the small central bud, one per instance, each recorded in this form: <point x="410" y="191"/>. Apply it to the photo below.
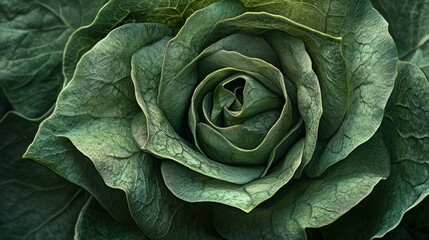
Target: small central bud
<point x="236" y="87"/>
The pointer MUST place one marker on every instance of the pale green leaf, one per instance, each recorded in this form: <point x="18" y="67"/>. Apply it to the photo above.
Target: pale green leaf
<point x="118" y="12"/>
<point x="89" y="120"/>
<point x="88" y="115"/>
<point x="319" y="15"/>
<point x="297" y="66"/>
<point x="310" y="203"/>
<point x="194" y="187"/>
<point x="58" y="154"/>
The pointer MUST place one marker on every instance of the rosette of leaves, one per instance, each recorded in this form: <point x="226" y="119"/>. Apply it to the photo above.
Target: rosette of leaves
<point x="239" y="120"/>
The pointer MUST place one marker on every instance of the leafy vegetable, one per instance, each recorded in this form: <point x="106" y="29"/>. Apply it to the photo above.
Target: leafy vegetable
<point x="213" y="119"/>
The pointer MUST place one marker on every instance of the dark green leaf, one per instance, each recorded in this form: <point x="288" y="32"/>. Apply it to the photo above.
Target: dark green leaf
<point x="414" y="225"/>
<point x="32" y="40"/>
<point x="370" y="56"/>
<point x="406" y="128"/>
<point x="35" y="203"/>
<point x="409" y="26"/>
<point x="4" y="104"/>
<point x="96" y="224"/>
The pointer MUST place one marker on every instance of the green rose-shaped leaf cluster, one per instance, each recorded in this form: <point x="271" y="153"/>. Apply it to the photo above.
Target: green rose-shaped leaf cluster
<point x="216" y="119"/>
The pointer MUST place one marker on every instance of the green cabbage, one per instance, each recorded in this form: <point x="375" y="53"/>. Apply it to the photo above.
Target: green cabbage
<point x="214" y="119"/>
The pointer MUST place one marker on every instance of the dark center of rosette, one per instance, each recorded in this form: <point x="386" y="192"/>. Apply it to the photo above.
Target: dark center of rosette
<point x="239" y="99"/>
<point x="238" y="116"/>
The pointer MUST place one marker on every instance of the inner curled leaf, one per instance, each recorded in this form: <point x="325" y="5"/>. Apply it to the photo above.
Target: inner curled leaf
<point x="237" y="116"/>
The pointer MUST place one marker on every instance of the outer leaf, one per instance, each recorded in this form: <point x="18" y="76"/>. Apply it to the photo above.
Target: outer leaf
<point x="59" y="154"/>
<point x="414" y="225"/>
<point x="89" y="120"/>
<point x="119" y="12"/>
<point x="406" y="126"/>
<point x="370" y="57"/>
<point x="87" y="113"/>
<point x="35" y="203"/>
<point x="311" y="202"/>
<point x="4" y="104"/>
<point x="33" y="37"/>
<point x="313" y="14"/>
<point x="194" y="187"/>
<point x="409" y="26"/>
<point x="96" y="224"/>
